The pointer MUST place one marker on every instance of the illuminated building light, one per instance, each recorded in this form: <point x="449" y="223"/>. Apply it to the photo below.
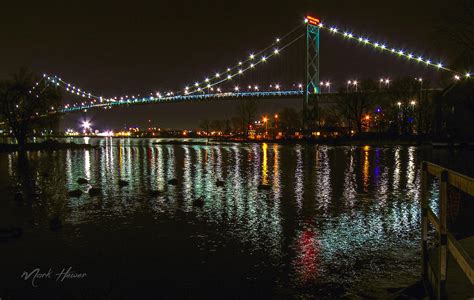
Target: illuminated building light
<point x="277" y="40"/>
<point x="456" y="77"/>
<point x="468" y="74"/>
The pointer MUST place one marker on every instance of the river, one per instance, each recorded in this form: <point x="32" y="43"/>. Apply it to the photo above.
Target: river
<point x="334" y="221"/>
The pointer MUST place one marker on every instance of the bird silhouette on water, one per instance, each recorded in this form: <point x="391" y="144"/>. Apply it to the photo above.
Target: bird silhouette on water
<point x="199" y="202"/>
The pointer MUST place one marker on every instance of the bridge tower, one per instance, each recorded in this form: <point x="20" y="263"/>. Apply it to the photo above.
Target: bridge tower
<point x="311" y="87"/>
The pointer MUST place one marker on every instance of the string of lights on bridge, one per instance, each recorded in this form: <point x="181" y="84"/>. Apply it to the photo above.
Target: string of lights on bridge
<point x="244" y="65"/>
<point x="253" y="60"/>
<point x="385" y="48"/>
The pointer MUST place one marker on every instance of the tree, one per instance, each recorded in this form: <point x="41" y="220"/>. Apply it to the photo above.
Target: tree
<point x="458" y="29"/>
<point x="26" y="104"/>
<point x="402" y="93"/>
<point x="289" y="120"/>
<point x="205" y="126"/>
<point x="247" y="111"/>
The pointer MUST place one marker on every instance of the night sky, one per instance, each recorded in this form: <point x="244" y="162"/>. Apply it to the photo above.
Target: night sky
<point x="116" y="48"/>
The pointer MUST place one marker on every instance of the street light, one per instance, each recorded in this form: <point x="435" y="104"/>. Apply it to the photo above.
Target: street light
<point x="265" y="120"/>
<point x="86" y="124"/>
<point x="328" y="85"/>
<point x="420" y="80"/>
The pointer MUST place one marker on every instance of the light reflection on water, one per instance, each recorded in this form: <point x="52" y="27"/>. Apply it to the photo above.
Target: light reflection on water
<point x="333" y="214"/>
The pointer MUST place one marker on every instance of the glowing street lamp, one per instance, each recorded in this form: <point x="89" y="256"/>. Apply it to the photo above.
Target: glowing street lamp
<point x="265" y="120"/>
<point x="86" y="125"/>
<point x="328" y="85"/>
<point x="385" y="81"/>
<point x="420" y="80"/>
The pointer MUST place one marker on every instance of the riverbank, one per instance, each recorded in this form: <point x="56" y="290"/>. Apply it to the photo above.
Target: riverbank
<point x="354" y="142"/>
<point x="48" y="145"/>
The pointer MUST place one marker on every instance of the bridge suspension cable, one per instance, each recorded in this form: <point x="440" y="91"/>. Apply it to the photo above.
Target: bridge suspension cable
<point x="240" y="68"/>
<point x="249" y="63"/>
<point x="385" y="48"/>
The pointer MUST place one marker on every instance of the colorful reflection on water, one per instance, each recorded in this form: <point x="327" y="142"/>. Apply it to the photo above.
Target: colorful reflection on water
<point x="332" y="215"/>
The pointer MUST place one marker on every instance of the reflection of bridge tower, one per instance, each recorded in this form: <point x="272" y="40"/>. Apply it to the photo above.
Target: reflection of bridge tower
<point x="312" y="62"/>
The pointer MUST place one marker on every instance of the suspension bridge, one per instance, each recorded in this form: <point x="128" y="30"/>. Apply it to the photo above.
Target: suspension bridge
<point x="209" y="89"/>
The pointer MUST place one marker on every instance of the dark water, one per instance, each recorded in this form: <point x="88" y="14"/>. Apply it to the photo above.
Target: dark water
<point x="335" y="220"/>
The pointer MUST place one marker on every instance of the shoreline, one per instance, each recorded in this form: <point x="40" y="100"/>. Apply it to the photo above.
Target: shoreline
<point x="56" y="144"/>
<point x="48" y="145"/>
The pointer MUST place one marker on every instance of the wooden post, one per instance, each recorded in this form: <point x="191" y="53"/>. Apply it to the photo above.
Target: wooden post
<point x="424" y="221"/>
<point x="443" y="238"/>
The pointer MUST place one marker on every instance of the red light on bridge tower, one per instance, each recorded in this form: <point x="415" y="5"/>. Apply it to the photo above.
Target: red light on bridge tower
<point x="312" y="20"/>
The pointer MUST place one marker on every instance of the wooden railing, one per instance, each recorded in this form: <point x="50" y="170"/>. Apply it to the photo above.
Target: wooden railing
<point x="447" y="242"/>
